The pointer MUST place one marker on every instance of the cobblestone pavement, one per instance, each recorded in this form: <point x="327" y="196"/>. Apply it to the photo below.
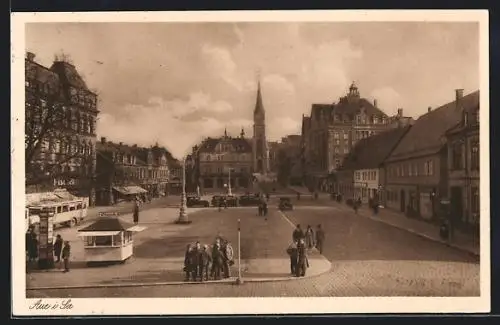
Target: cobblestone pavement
<point x="159" y="250"/>
<point x="368" y="258"/>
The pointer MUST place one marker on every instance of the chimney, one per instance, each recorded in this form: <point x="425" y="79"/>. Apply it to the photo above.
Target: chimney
<point x="400" y="112"/>
<point x="459" y="93"/>
<point x="375" y="103"/>
<point x="103" y="140"/>
<point x="30" y="56"/>
<point x="429" y="109"/>
<point x="135" y="145"/>
<point x="121" y="143"/>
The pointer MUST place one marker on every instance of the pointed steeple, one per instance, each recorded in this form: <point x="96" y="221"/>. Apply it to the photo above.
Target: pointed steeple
<point x="259" y="106"/>
<point x="242" y="134"/>
<point x="225" y="132"/>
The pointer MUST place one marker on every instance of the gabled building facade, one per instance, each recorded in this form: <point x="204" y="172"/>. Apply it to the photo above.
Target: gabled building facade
<point x="463" y="169"/>
<point x="362" y="173"/>
<point x="223" y="161"/>
<point x="417" y="170"/>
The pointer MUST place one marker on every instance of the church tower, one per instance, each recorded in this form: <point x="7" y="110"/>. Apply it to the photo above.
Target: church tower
<point x="259" y="143"/>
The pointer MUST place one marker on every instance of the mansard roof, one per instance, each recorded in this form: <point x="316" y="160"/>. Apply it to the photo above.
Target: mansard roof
<point x="240" y="144"/>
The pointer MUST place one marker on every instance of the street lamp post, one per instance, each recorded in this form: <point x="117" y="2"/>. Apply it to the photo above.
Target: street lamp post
<point x="229" y="184"/>
<point x="183" y="216"/>
<point x="239" y="280"/>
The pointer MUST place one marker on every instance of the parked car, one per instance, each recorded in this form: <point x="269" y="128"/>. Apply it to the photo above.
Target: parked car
<point x="231" y="200"/>
<point x="249" y="200"/>
<point x="196" y="201"/>
<point x="285" y="204"/>
<point x="216" y="199"/>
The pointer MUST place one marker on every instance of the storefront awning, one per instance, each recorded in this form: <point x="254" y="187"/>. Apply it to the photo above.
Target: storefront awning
<point x="136" y="229"/>
<point x="97" y="233"/>
<point x="129" y="190"/>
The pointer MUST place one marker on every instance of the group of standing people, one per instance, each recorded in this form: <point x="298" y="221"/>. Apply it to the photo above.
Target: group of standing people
<point x="62" y="249"/>
<point x="263" y="208"/>
<point x="302" y="242"/>
<point x="202" y="263"/>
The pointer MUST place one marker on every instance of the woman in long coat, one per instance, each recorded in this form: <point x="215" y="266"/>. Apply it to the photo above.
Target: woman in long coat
<point x="302" y="262"/>
<point x="309" y="237"/>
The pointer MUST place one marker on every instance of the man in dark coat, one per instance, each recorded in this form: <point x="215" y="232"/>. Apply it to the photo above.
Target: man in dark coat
<point x="298" y="234"/>
<point x="293" y="253"/>
<point x="217" y="260"/>
<point x="136" y="212"/>
<point x="66" y="253"/>
<point x="204" y="260"/>
<point x="187" y="262"/>
<point x="58" y="248"/>
<point x="264" y="208"/>
<point x="194" y="260"/>
<point x="320" y="239"/>
<point x="226" y="260"/>
<point x="302" y="261"/>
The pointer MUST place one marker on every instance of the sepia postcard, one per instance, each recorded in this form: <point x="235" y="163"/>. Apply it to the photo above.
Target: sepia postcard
<point x="250" y="162"/>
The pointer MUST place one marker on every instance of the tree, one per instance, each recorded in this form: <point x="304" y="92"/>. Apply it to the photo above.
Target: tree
<point x="284" y="168"/>
<point x="52" y="150"/>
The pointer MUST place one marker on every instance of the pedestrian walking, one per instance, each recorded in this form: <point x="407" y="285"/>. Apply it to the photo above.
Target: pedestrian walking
<point x="309" y="237"/>
<point x="293" y="253"/>
<point x="297" y="234"/>
<point x="136" y="212"/>
<point x="320" y="238"/>
<point x="302" y="260"/>
<point x="264" y="208"/>
<point x="66" y="253"/>
<point x="58" y="245"/>
<point x="298" y="196"/>
<point x="227" y="258"/>
<point x="194" y="261"/>
<point x="261" y="205"/>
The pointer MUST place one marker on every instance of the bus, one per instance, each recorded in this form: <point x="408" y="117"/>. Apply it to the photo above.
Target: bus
<point x="66" y="213"/>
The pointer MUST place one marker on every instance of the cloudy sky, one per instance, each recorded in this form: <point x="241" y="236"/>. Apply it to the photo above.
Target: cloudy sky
<point x="175" y="83"/>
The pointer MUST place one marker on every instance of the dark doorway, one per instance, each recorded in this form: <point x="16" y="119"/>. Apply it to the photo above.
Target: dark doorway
<point x="456" y="207"/>
<point x="402" y="200"/>
<point x="259" y="166"/>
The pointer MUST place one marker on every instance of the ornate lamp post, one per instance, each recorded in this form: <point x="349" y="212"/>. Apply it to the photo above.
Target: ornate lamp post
<point x="183" y="217"/>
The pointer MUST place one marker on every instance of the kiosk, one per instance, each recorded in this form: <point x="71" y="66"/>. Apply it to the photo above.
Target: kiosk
<point x="109" y="239"/>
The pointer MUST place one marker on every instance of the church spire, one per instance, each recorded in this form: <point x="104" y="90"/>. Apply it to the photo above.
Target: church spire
<point x="259" y="106"/>
<point x="225" y="132"/>
<point x="242" y="134"/>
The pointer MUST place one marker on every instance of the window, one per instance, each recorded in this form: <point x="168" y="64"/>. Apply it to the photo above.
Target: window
<point x="336" y="135"/>
<point x="431" y="168"/>
<point x="336" y="150"/>
<point x="337" y="163"/>
<point x="358" y="119"/>
<point x="474" y="155"/>
<point x="103" y="240"/>
<point x="415" y="170"/>
<point x="346" y="136"/>
<point x="357" y="176"/>
<point x="475" y="200"/>
<point x="346" y="150"/>
<point x="208" y="157"/>
<point x="337" y="142"/>
<point x="456" y="156"/>
<point x="364" y="176"/>
<point x="402" y="170"/>
<point x="410" y="170"/>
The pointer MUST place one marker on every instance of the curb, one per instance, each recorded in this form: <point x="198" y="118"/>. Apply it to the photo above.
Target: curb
<point x="232" y="280"/>
<point x="434" y="239"/>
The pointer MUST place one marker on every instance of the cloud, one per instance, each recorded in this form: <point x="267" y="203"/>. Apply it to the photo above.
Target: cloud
<point x="287" y="125"/>
<point x="387" y="97"/>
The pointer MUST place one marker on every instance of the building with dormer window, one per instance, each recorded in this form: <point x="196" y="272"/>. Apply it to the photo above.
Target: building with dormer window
<point x="60" y="124"/>
<point x="332" y="130"/>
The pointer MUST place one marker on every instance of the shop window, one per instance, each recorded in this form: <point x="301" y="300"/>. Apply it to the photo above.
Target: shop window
<point x="65" y="208"/>
<point x="117" y="240"/>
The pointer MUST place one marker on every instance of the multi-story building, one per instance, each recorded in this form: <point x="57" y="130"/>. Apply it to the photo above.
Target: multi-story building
<point x="463" y="168"/>
<point x="225" y="161"/>
<point x="124" y="171"/>
<point x="61" y="113"/>
<point x="287" y="160"/>
<point x="332" y="130"/>
<point x="417" y="170"/>
<point x="362" y="173"/>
